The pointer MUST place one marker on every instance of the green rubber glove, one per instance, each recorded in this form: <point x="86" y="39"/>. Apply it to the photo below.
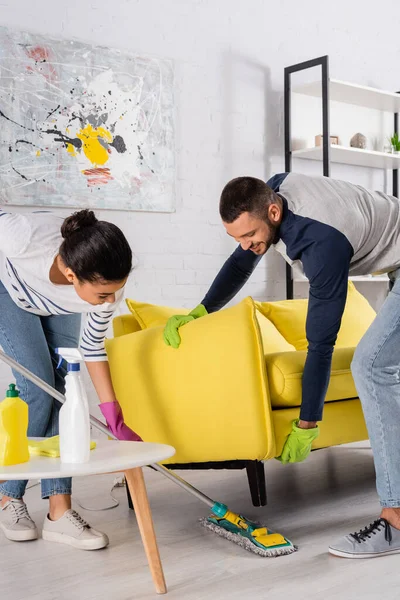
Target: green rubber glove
<point x="298" y="444"/>
<point x="171" y="333"/>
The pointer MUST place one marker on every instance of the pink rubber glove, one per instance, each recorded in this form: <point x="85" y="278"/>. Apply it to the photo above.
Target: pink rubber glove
<point x="112" y="413"/>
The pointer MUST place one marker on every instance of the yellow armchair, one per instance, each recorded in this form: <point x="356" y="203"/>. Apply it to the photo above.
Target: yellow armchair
<point x="228" y="396"/>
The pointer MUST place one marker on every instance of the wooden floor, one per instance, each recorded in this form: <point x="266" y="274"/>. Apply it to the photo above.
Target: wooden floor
<point x="333" y="493"/>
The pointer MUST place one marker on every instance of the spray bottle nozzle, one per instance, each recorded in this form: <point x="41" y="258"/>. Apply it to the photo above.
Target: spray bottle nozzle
<point x="72" y="357"/>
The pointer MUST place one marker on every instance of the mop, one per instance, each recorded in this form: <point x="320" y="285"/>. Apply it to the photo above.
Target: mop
<point x="232" y="526"/>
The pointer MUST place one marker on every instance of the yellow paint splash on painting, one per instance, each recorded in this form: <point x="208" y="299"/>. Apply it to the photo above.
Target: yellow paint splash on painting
<point x="92" y="147"/>
<point x="37" y="152"/>
<point x="71" y="150"/>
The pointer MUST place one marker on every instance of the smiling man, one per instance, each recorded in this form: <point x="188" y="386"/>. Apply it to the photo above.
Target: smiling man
<point x="334" y="229"/>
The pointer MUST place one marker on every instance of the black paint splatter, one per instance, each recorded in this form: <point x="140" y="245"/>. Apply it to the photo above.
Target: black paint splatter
<point x="15" y="122"/>
<point x="74" y="117"/>
<point x="76" y="142"/>
<point x="53" y="111"/>
<point x="119" y="144"/>
<point x="32" y="144"/>
<point x="20" y="174"/>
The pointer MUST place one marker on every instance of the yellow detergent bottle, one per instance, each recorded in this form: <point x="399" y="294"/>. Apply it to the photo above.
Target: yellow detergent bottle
<point x="13" y="429"/>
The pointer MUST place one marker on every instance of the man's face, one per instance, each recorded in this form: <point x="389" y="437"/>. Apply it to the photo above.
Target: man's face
<point x="253" y="233"/>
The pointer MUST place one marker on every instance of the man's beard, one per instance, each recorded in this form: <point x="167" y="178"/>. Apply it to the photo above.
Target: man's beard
<point x="272" y="239"/>
<point x="275" y="234"/>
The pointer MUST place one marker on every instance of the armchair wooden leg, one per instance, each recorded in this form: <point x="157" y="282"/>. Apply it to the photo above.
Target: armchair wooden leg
<point x="256" y="478"/>
<point x="137" y="488"/>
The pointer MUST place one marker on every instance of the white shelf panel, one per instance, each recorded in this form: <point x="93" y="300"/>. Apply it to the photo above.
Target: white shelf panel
<point x="350" y="93"/>
<point x="352" y="156"/>
<point x="369" y="278"/>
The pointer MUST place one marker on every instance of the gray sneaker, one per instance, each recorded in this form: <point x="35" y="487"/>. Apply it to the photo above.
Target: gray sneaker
<point x="378" y="539"/>
<point x="71" y="529"/>
<point x="16" y="522"/>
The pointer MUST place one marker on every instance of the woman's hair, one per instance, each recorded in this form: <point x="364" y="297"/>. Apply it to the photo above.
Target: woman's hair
<point x="94" y="250"/>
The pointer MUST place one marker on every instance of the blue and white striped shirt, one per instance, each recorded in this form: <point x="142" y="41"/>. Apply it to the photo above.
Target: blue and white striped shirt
<point x="29" y="243"/>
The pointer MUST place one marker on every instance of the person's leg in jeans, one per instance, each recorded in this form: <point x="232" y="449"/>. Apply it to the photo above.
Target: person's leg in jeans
<point x="31" y="341"/>
<point x="376" y="372"/>
<point x="24" y="337"/>
<point x="62" y="524"/>
<point x="60" y="332"/>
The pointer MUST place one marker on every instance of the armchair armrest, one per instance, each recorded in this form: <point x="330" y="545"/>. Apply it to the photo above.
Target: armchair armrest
<point x="285" y="372"/>
<point x="209" y="398"/>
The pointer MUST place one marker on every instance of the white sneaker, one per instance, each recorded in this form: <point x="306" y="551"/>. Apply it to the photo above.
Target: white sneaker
<point x="16" y="522"/>
<point x="71" y="529"/>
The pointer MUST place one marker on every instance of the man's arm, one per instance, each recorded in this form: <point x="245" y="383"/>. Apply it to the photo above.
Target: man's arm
<point x="230" y="279"/>
<point x="327" y="268"/>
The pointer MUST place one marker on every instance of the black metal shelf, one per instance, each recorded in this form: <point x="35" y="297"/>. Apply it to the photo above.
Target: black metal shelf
<point x="323" y="62"/>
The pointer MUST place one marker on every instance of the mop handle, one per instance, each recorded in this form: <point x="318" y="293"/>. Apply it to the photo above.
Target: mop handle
<point x="49" y="389"/>
<point x="101" y="427"/>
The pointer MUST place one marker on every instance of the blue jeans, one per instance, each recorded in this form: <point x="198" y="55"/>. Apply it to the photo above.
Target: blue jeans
<point x="31" y="340"/>
<point x="376" y="372"/>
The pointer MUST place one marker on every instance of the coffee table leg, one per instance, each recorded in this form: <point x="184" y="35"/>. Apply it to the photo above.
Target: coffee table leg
<point x="137" y="488"/>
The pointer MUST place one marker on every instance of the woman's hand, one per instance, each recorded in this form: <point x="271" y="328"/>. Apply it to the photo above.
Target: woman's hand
<point x="100" y="375"/>
<point x="112" y="413"/>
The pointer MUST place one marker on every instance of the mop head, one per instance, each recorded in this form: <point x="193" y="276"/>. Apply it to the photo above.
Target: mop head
<point x="249" y="535"/>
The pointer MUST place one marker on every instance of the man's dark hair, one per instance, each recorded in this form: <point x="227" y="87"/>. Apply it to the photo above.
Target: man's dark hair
<point x="246" y="194"/>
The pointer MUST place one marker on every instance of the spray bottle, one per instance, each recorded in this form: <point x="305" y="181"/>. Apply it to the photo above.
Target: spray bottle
<point x="74" y="414"/>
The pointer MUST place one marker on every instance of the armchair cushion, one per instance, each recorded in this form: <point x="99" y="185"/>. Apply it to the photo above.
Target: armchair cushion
<point x="153" y="315"/>
<point x="124" y="324"/>
<point x="285" y="372"/>
<point x="289" y="317"/>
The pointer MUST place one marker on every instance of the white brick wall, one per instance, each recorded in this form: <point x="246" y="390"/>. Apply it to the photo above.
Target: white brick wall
<point x="229" y="58"/>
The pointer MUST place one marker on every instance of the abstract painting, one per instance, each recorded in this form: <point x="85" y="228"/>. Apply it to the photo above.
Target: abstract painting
<point x="84" y="126"/>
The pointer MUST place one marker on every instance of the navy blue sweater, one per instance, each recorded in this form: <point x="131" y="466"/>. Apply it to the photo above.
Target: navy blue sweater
<point x="326" y="254"/>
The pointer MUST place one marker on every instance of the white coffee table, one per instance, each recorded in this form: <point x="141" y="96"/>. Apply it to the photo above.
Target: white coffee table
<point x="110" y="457"/>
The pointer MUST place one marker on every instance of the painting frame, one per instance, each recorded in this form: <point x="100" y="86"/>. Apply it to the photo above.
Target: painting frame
<point x="85" y="125"/>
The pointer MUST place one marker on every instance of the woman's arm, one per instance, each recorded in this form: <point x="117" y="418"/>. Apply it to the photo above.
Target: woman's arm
<point x="99" y="372"/>
<point x="101" y="377"/>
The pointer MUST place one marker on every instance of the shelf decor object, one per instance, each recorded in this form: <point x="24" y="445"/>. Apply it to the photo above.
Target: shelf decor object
<point x="358" y="141"/>
<point x="334" y="140"/>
